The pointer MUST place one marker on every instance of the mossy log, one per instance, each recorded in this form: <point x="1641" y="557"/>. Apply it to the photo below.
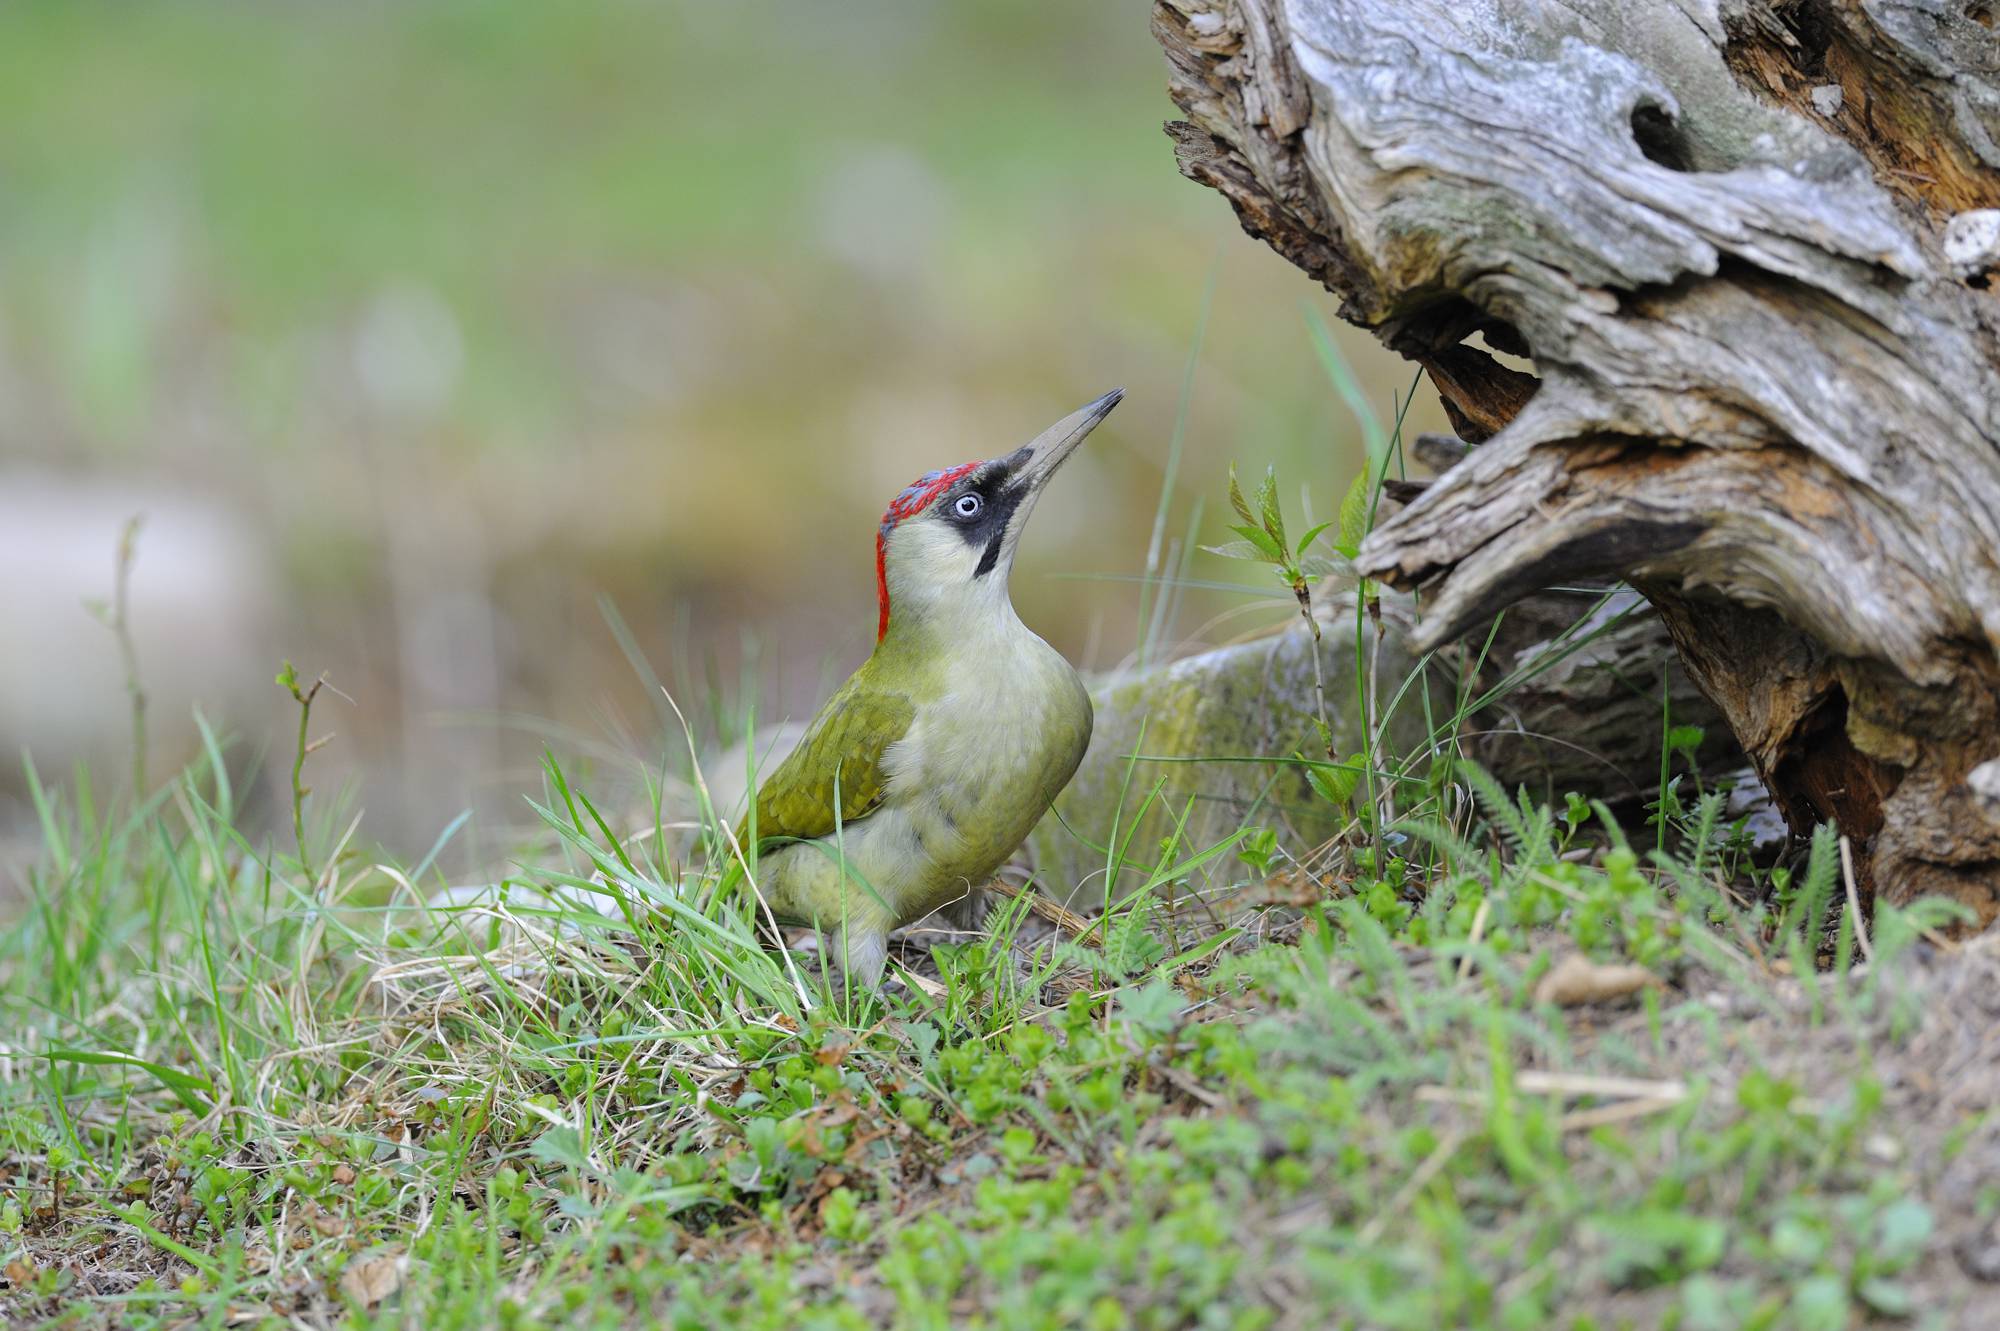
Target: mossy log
<point x="1745" y="247"/>
<point x="1202" y="746"/>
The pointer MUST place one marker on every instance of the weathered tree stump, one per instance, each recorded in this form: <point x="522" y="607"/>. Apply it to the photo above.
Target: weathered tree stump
<point x="1743" y="244"/>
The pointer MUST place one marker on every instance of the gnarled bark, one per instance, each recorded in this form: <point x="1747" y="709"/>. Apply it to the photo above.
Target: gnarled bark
<point x="1766" y="383"/>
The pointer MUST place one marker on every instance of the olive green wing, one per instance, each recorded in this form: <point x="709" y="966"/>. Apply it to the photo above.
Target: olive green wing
<point x="843" y="747"/>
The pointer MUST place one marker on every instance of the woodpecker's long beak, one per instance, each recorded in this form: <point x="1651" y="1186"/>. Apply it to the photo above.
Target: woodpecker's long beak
<point x="1049" y="449"/>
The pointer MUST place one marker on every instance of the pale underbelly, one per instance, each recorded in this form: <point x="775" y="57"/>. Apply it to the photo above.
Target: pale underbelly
<point x="932" y="842"/>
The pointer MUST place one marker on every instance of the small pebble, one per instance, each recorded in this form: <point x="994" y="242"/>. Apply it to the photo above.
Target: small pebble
<point x="1972" y="241"/>
<point x="1978" y="1254"/>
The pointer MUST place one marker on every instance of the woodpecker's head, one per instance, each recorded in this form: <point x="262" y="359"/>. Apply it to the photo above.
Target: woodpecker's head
<point x="948" y="540"/>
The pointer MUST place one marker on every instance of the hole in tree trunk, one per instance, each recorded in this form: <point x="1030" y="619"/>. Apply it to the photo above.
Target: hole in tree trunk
<point x="1823" y="778"/>
<point x="1813" y="29"/>
<point x="1501" y="342"/>
<point x="1480" y="364"/>
<point x="1659" y="138"/>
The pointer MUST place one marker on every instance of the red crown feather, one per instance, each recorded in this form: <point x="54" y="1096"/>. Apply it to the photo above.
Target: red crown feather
<point x="916" y="497"/>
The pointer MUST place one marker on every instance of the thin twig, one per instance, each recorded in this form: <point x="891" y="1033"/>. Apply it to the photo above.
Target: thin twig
<point x="1385" y="811"/>
<point x="1472" y="939"/>
<point x="1565" y="1084"/>
<point x="1053" y="911"/>
<point x="289" y="679"/>
<point x="1303" y="592"/>
<point x="1433" y="1164"/>
<point x="1854" y="901"/>
<point x="1189" y="1086"/>
<point x="118" y="618"/>
<point x="1581" y="1120"/>
<point x="1584" y="1083"/>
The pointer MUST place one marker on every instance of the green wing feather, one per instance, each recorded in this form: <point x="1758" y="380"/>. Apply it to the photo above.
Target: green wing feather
<point x="847" y="739"/>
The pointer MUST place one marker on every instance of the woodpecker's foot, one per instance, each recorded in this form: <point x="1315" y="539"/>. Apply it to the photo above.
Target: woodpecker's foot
<point x="968" y="913"/>
<point x="865" y="953"/>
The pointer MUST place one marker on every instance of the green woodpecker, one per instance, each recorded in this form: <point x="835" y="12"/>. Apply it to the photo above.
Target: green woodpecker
<point x="946" y="747"/>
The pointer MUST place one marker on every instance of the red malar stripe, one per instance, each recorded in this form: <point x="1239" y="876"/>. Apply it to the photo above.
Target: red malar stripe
<point x="916" y="497"/>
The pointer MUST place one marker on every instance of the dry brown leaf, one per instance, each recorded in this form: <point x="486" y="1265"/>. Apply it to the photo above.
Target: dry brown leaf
<point x="924" y="985"/>
<point x="325" y="1223"/>
<point x="373" y="1279"/>
<point x="1576" y="979"/>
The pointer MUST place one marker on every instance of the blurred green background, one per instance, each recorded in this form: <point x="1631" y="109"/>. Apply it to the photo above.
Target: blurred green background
<point x="415" y="329"/>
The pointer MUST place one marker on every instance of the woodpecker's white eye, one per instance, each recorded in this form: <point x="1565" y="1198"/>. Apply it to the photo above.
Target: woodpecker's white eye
<point x="968" y="506"/>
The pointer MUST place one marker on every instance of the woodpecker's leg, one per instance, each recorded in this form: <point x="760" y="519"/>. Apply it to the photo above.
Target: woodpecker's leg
<point x="967" y="913"/>
<point x="864" y="950"/>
